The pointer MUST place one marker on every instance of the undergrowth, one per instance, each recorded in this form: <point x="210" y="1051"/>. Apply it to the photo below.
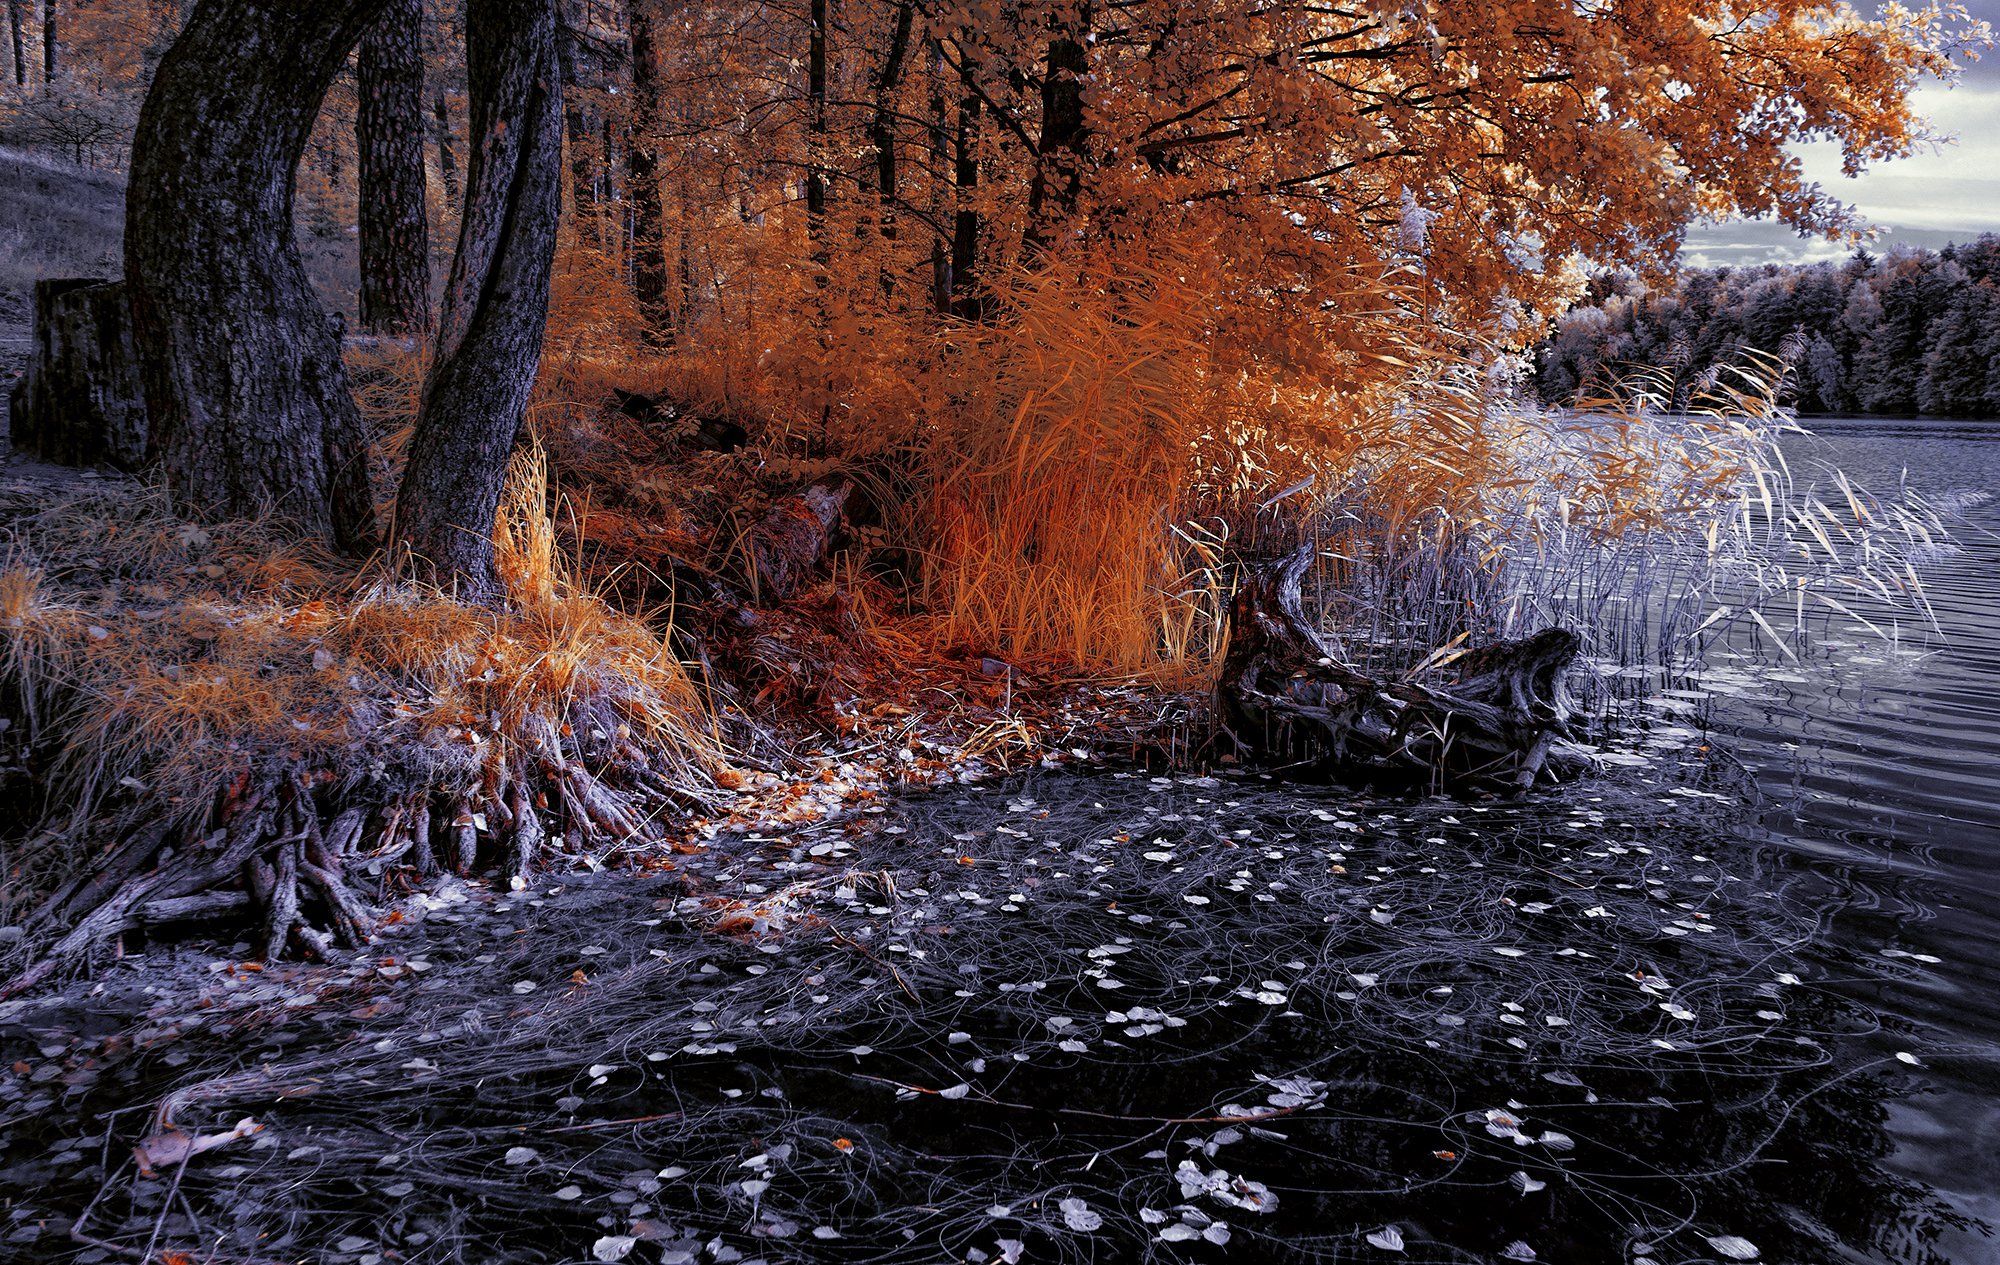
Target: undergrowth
<point x="203" y="694"/>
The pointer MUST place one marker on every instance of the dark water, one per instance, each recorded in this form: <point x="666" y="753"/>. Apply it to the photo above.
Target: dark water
<point x="1881" y="773"/>
<point x="1111" y="1017"/>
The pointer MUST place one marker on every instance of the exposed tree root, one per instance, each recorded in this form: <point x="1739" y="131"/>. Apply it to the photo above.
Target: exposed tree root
<point x="1496" y="726"/>
<point x="305" y="857"/>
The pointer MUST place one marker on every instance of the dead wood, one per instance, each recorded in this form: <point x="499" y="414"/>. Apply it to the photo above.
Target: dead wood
<point x="1491" y="722"/>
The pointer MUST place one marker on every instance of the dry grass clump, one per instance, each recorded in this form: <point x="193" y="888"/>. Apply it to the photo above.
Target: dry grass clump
<point x="210" y="700"/>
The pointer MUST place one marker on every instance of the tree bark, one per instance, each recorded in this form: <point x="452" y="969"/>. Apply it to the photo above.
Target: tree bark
<point x="496" y="301"/>
<point x="49" y="42"/>
<point x="447" y="160"/>
<point x="1493" y="724"/>
<point x="16" y="20"/>
<point x="389" y="132"/>
<point x="243" y="378"/>
<point x="642" y="176"/>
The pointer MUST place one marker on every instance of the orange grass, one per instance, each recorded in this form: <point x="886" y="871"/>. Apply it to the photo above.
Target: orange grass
<point x="173" y="658"/>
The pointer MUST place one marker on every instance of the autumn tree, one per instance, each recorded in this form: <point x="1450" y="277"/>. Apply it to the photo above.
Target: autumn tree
<point x="389" y="131"/>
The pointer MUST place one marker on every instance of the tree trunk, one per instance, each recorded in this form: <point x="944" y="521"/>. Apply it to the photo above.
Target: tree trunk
<point x="389" y="132"/>
<point x="497" y="299"/>
<point x="79" y="401"/>
<point x="642" y="175"/>
<point x="244" y="384"/>
<point x="16" y="19"/>
<point x="1494" y="724"/>
<point x="817" y="139"/>
<point x="1059" y="151"/>
<point x="49" y="41"/>
<point x="447" y="160"/>
<point x="882" y="134"/>
<point x="968" y="300"/>
<point x="579" y="138"/>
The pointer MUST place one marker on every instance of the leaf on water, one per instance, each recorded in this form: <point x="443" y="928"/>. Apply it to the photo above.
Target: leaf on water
<point x="1388" y="1238"/>
<point x="613" y="1247"/>
<point x="1733" y="1246"/>
<point x="1079" y="1216"/>
<point x="177" y="1147"/>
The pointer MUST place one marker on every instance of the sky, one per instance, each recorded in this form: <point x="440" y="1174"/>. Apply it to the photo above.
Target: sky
<point x="1928" y="199"/>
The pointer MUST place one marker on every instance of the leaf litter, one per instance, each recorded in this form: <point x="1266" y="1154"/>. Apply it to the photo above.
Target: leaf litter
<point x="780" y="1049"/>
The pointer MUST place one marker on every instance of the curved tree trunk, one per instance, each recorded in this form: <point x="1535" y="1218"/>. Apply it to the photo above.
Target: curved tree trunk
<point x="389" y="132"/>
<point x="497" y="300"/>
<point x="242" y="367"/>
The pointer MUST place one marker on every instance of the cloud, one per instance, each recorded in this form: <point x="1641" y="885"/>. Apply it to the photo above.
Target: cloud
<point x="1946" y="192"/>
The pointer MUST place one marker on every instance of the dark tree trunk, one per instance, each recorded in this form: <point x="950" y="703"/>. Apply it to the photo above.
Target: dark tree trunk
<point x="882" y="133"/>
<point x="16" y="20"/>
<point x="50" y="43"/>
<point x="447" y="159"/>
<point x="816" y="155"/>
<point x="580" y="138"/>
<point x="642" y="177"/>
<point x="389" y="131"/>
<point x="248" y="399"/>
<point x="1493" y="724"/>
<point x="79" y="401"/>
<point x="496" y="303"/>
<point x="967" y="299"/>
<point x="1059" y="152"/>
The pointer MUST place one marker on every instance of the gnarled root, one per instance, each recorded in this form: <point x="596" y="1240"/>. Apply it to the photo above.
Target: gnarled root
<point x="1496" y="726"/>
<point x="291" y="853"/>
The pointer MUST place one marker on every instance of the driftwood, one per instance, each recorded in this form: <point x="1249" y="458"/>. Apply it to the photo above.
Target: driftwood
<point x="79" y="401"/>
<point x="1493" y="723"/>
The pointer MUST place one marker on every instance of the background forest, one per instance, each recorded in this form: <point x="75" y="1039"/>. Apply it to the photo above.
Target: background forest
<point x="1912" y="331"/>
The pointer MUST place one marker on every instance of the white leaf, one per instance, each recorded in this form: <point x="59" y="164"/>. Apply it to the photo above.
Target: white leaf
<point x="613" y="1247"/>
<point x="1732" y="1246"/>
<point x="1078" y="1215"/>
<point x="519" y="1155"/>
<point x="1388" y="1238"/>
<point x="956" y="1091"/>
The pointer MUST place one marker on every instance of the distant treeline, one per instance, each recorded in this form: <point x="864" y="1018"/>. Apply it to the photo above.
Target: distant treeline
<point x="1911" y="331"/>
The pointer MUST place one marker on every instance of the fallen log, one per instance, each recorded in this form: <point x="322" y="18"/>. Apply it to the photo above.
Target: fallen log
<point x="787" y="545"/>
<point x="1494" y="721"/>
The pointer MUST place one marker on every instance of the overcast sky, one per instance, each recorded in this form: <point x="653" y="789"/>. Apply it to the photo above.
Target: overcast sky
<point x="1927" y="200"/>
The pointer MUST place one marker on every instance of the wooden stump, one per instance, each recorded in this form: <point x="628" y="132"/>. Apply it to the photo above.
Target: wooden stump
<point x="1493" y="723"/>
<point x="79" y="401"/>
